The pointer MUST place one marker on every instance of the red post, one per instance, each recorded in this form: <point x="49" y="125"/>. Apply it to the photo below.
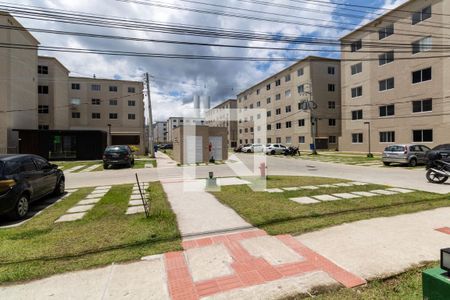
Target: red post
<point x="262" y="169"/>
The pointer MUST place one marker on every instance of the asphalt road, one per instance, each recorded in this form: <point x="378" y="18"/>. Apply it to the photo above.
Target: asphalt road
<point x="393" y="176"/>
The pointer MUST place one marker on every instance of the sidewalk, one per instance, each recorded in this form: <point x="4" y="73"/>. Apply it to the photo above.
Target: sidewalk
<point x="164" y="161"/>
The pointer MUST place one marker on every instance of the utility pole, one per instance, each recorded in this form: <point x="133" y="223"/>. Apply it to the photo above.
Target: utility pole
<point x="310" y="105"/>
<point x="369" y="155"/>
<point x="150" y="118"/>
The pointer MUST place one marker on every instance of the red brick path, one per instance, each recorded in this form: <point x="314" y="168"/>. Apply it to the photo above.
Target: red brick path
<point x="249" y="270"/>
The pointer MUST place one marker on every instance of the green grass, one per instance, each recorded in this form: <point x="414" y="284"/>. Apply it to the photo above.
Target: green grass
<point x="276" y="214"/>
<point x="350" y="159"/>
<point x="406" y="286"/>
<point x="106" y="234"/>
<point x="140" y="164"/>
<point x="65" y="165"/>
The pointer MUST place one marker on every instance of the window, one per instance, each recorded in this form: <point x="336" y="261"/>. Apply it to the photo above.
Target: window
<point x="356" y="68"/>
<point x="288" y="140"/>
<point x="301" y="122"/>
<point x="96" y="116"/>
<point x="27" y="165"/>
<point x="278" y="140"/>
<point x="301" y="88"/>
<point x="422" y="105"/>
<point x="43" y="127"/>
<point x="386" y="84"/>
<point x="357" y="138"/>
<point x="75" y="115"/>
<point x="421" y="15"/>
<point x="42" y="69"/>
<point x="386" y="58"/>
<point x="131" y="117"/>
<point x="332" y="139"/>
<point x="423" y="135"/>
<point x="268" y="87"/>
<point x="269" y="127"/>
<point x="300" y="72"/>
<point x="357" y="114"/>
<point x="113" y="88"/>
<point x="269" y="113"/>
<point x="131" y="103"/>
<point x="331" y="70"/>
<point x="331" y="105"/>
<point x="422" y="45"/>
<point x="278" y="111"/>
<point x="288" y="109"/>
<point x="301" y="139"/>
<point x="331" y="122"/>
<point x="75" y="86"/>
<point x="95" y="101"/>
<point x="357" y="92"/>
<point x="113" y="116"/>
<point x="287" y="93"/>
<point x="268" y="100"/>
<point x="113" y="102"/>
<point x="287" y="78"/>
<point x="95" y="87"/>
<point x="421" y="75"/>
<point x="331" y="87"/>
<point x="246" y="130"/>
<point x="277" y="82"/>
<point x="43" y="109"/>
<point x="387" y="137"/>
<point x="131" y="89"/>
<point x="277" y="96"/>
<point x="75" y="102"/>
<point x="386" y="31"/>
<point x="356" y="45"/>
<point x="278" y="126"/>
<point x="258" y="104"/>
<point x="387" y="110"/>
<point x="288" y="124"/>
<point x="269" y="140"/>
<point x="257" y="92"/>
<point x="43" y="89"/>
<point x="251" y="106"/>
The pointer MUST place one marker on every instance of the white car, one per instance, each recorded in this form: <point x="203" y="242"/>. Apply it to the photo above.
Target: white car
<point x="253" y="148"/>
<point x="274" y="149"/>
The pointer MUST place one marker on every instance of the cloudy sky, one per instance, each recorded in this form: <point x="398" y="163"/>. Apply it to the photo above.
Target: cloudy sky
<point x="175" y="81"/>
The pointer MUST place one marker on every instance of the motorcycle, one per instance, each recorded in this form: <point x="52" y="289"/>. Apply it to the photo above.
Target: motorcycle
<point x="291" y="151"/>
<point x="438" y="171"/>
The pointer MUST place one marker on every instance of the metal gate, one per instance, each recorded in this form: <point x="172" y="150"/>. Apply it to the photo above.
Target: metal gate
<point x="193" y="149"/>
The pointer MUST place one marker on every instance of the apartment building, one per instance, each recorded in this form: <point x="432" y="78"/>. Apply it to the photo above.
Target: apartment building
<point x="225" y="115"/>
<point x="18" y="83"/>
<point x="174" y="122"/>
<point x="394" y="81"/>
<point x="160" y="132"/>
<point x="281" y="97"/>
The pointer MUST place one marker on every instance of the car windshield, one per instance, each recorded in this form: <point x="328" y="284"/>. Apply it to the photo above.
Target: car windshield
<point x="442" y="147"/>
<point x="394" y="149"/>
<point x="116" y="149"/>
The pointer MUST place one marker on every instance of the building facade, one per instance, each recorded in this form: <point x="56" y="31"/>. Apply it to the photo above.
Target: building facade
<point x="225" y="115"/>
<point x="401" y="93"/>
<point x="174" y="122"/>
<point x="281" y="97"/>
<point x="18" y="83"/>
<point x="160" y="132"/>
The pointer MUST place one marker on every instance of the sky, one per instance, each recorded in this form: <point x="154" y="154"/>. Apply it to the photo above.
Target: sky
<point x="175" y="81"/>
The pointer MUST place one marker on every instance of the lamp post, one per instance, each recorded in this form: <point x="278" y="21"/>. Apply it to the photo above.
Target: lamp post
<point x="109" y="135"/>
<point x="370" y="155"/>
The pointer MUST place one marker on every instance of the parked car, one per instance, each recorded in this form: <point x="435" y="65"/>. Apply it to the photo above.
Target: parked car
<point x="118" y="155"/>
<point x="410" y="154"/>
<point x="166" y="146"/>
<point x="253" y="148"/>
<point x="441" y="152"/>
<point x="275" y="149"/>
<point x="24" y="179"/>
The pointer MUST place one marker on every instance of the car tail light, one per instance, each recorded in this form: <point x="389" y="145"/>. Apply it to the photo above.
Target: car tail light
<point x="406" y="149"/>
<point x="5" y="185"/>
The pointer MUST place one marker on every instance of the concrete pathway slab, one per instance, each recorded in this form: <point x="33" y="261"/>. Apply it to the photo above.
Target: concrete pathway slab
<point x="70" y="217"/>
<point x="327" y="185"/>
<point x="73" y="169"/>
<point x="276" y="190"/>
<point x="325" y="198"/>
<point x="400" y="190"/>
<point x="344" y="184"/>
<point x="365" y="194"/>
<point x="309" y="187"/>
<point x="359" y="183"/>
<point x="231" y="181"/>
<point x="209" y="262"/>
<point x="384" y="192"/>
<point x="291" y="189"/>
<point x="89" y="201"/>
<point x="95" y="195"/>
<point x="90" y="168"/>
<point x="81" y="208"/>
<point x="135" y="210"/>
<point x="345" y="195"/>
<point x="271" y="249"/>
<point x="135" y="203"/>
<point x="304" y="200"/>
<point x="136" y="197"/>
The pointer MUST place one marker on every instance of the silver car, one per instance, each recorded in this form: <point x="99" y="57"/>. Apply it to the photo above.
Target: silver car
<point x="275" y="149"/>
<point x="410" y="154"/>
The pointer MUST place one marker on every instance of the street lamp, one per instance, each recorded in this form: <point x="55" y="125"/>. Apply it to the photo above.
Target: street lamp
<point x="109" y="135"/>
<point x="370" y="155"/>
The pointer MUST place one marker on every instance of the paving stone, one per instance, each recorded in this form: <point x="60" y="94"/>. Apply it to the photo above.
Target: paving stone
<point x="209" y="262"/>
<point x="343" y="184"/>
<point x="325" y="198"/>
<point x="291" y="189"/>
<point x="231" y="181"/>
<point x="81" y="208"/>
<point x="274" y="190"/>
<point x="365" y="194"/>
<point x="384" y="192"/>
<point x="71" y="190"/>
<point x="358" y="183"/>
<point x="90" y="168"/>
<point x="327" y="185"/>
<point x="103" y="187"/>
<point x="70" y="217"/>
<point x="345" y="195"/>
<point x="135" y="209"/>
<point x="88" y="201"/>
<point x="135" y="197"/>
<point x="135" y="203"/>
<point x="76" y="168"/>
<point x="148" y="166"/>
<point x="304" y="200"/>
<point x="95" y="195"/>
<point x="309" y="187"/>
<point x="400" y="190"/>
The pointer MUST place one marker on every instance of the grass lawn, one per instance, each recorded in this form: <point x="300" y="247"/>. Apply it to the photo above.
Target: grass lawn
<point x="65" y="165"/>
<point x="407" y="286"/>
<point x="350" y="159"/>
<point x="106" y="234"/>
<point x="140" y="164"/>
<point x="276" y="214"/>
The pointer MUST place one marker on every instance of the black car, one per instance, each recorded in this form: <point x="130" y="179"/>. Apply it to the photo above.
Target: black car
<point x="118" y="155"/>
<point x="441" y="152"/>
<point x="24" y="179"/>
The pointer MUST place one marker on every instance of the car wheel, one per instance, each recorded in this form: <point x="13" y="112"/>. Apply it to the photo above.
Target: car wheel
<point x="412" y="162"/>
<point x="105" y="166"/>
<point x="21" y="209"/>
<point x="434" y="177"/>
<point x="60" y="187"/>
<point x="386" y="163"/>
<point x="272" y="152"/>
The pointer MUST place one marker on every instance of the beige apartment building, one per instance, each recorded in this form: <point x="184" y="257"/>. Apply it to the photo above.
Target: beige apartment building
<point x="394" y="81"/>
<point x="281" y="95"/>
<point x="160" y="132"/>
<point x="18" y="83"/>
<point x="174" y="122"/>
<point x="225" y="115"/>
